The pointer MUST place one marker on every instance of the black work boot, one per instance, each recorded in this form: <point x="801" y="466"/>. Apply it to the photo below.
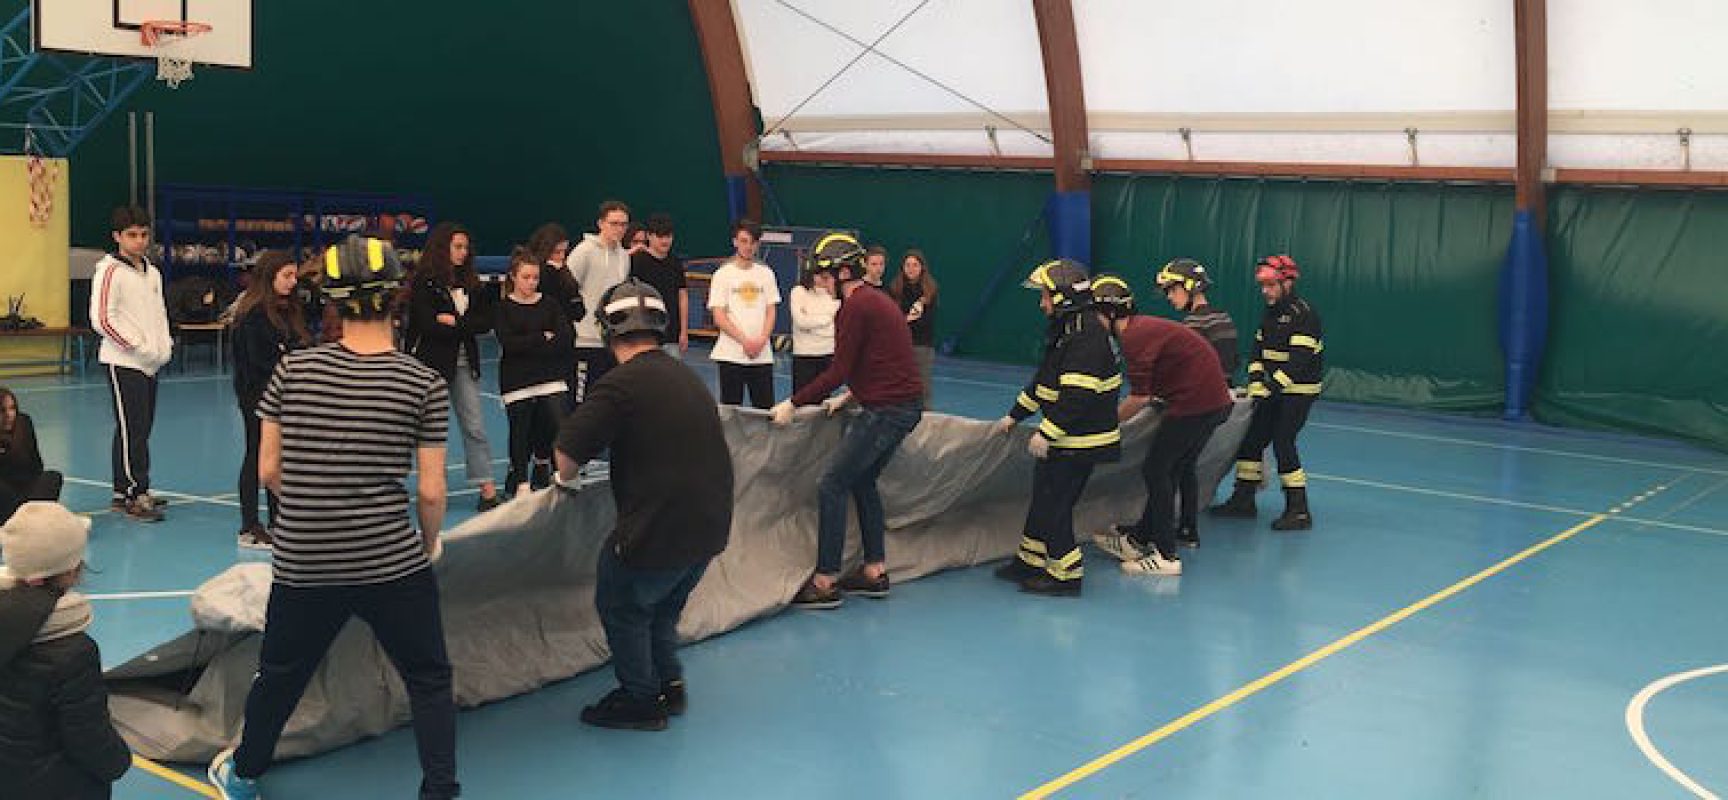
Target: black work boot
<point x="1241" y="502"/>
<point x="1296" y="516"/>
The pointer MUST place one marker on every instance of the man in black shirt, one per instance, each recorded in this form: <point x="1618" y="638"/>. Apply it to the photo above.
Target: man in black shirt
<point x="657" y="267"/>
<point x="672" y="484"/>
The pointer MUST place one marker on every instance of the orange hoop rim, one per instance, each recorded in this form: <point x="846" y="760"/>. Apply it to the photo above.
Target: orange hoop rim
<point x="154" y="30"/>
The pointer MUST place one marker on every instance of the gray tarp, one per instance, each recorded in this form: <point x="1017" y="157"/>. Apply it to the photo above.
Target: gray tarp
<point x="518" y="582"/>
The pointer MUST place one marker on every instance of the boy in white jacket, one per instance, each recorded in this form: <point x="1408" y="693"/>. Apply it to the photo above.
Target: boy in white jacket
<point x="127" y="310"/>
<point x="598" y="263"/>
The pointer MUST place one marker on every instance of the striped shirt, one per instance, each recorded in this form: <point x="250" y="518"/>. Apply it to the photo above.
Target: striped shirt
<point x="350" y="426"/>
<point x="1216" y="327"/>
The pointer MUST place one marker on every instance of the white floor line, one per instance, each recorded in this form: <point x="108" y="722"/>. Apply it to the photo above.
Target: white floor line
<point x="139" y="595"/>
<point x="1501" y="501"/>
<point x="1517" y="448"/>
<point x="171" y="495"/>
<point x="1635" y="726"/>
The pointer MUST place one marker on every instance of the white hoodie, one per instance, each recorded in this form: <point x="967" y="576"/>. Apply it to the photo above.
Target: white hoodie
<point x="597" y="268"/>
<point x="127" y="310"/>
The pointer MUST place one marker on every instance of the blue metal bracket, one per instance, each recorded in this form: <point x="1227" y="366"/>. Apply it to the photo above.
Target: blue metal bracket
<point x="57" y="99"/>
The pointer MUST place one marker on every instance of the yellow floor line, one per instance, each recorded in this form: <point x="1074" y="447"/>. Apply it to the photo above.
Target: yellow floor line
<point x="174" y="777"/>
<point x="1270" y="679"/>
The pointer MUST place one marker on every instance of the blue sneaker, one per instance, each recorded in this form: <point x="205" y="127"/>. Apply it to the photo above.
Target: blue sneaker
<point x="228" y="785"/>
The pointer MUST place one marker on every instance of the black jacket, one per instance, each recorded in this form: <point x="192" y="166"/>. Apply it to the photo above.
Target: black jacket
<point x="529" y="357"/>
<point x="924" y="329"/>
<point x="671" y="469"/>
<point x="1076" y="389"/>
<point x="436" y="344"/>
<point x="56" y="739"/>
<point x="1287" y="356"/>
<point x="557" y="283"/>
<point x="257" y="346"/>
<point x="20" y="458"/>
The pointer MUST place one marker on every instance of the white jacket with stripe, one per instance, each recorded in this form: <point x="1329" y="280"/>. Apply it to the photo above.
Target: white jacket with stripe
<point x="128" y="311"/>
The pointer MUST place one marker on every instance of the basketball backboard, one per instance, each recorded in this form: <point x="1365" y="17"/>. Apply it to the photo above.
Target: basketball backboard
<point x="115" y="28"/>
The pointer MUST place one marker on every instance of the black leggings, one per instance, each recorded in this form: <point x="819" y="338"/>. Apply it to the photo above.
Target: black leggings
<point x="248" y="484"/>
<point x="1277" y="420"/>
<point x="533" y="429"/>
<point x="807" y="368"/>
<point x="758" y="378"/>
<point x="1175" y="448"/>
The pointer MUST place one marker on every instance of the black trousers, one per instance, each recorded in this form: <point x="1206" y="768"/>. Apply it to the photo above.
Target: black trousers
<point x="134" y="396"/>
<point x="533" y="430"/>
<point x="248" y="482"/>
<point x="758" y="378"/>
<point x="13" y="494"/>
<point x="592" y="364"/>
<point x="299" y="625"/>
<point x="1175" y="448"/>
<point x="1057" y="484"/>
<point x="1277" y="420"/>
<point x="806" y="368"/>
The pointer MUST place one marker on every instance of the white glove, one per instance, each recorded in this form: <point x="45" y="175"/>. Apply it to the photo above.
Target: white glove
<point x="836" y="404"/>
<point x="1003" y="426"/>
<point x="782" y="413"/>
<point x="437" y="550"/>
<point x="1038" y="446"/>
<point x="572" y="486"/>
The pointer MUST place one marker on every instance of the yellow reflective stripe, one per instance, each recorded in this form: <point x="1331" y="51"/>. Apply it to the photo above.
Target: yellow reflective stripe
<point x="1051" y="431"/>
<point x="1032" y="545"/>
<point x="1088" y="442"/>
<point x="1255" y="366"/>
<point x="375" y="254"/>
<point x="1066" y="568"/>
<point x="1258" y="389"/>
<point x="1282" y="379"/>
<point x="1302" y="388"/>
<point x="1031" y="559"/>
<point x="1046" y="393"/>
<point x="1083" y="381"/>
<point x="1294" y="480"/>
<point x="1249" y="471"/>
<point x="332" y="264"/>
<point x="1274" y="355"/>
<point x="1304" y="340"/>
<point x="1027" y="403"/>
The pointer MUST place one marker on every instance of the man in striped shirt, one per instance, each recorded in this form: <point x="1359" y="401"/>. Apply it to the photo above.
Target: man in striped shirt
<point x="343" y="424"/>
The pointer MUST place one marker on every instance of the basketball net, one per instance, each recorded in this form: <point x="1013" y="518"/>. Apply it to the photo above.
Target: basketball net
<point x="43" y="174"/>
<point x="172" y="42"/>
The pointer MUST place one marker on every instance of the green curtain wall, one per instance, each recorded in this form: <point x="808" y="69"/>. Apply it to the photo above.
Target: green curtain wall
<point x="505" y="125"/>
<point x="1639" y="319"/>
<point x="1403" y="274"/>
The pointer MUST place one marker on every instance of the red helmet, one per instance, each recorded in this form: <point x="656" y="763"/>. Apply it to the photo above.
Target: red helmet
<point x="1277" y="268"/>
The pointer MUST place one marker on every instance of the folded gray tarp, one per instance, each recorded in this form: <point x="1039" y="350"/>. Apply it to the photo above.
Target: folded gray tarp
<point x="518" y="582"/>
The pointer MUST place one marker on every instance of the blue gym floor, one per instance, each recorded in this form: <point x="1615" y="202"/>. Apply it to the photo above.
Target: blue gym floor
<point x="1358" y="660"/>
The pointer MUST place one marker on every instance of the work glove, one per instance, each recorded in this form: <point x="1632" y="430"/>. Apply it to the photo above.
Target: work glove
<point x="781" y="414"/>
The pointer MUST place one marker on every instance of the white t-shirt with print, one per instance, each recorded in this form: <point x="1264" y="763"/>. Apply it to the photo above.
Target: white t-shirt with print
<point x="745" y="292"/>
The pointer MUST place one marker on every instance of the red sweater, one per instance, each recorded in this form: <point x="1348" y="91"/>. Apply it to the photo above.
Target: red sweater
<point x="1169" y="360"/>
<point x="872" y="354"/>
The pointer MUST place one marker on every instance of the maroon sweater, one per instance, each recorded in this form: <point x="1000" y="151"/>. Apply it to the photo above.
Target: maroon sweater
<point x="872" y="355"/>
<point x="1167" y="359"/>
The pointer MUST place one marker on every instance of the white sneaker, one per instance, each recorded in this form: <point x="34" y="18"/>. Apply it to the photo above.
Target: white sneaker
<point x="1153" y="564"/>
<point x="1119" y="544"/>
<point x="522" y="490"/>
<point x="250" y="540"/>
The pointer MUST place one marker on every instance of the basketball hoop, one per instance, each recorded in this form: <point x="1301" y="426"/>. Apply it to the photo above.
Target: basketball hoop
<point x="171" y="41"/>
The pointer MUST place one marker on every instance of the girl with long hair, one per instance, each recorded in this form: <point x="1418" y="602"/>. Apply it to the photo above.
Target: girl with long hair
<point x="537" y="341"/>
<point x="915" y="289"/>
<point x="267" y="321"/>
<point x="448" y="310"/>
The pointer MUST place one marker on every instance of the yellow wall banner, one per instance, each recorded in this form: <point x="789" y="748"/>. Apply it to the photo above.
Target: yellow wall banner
<point x="33" y="258"/>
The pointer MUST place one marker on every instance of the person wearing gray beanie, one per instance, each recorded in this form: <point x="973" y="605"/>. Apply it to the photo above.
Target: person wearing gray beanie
<point x="56" y="738"/>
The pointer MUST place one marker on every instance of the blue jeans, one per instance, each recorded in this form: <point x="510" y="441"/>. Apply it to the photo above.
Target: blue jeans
<point x="471" y="421"/>
<point x="865" y="449"/>
<point x="639" y="608"/>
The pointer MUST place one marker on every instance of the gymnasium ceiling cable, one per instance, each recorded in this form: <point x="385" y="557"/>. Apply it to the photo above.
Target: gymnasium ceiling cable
<point x="869" y="48"/>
